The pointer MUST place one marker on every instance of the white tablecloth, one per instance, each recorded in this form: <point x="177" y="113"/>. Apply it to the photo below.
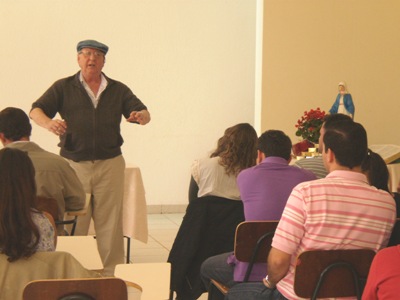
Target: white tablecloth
<point x="134" y="208"/>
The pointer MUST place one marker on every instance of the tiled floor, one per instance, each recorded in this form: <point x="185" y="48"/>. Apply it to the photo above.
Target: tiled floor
<point x="162" y="232"/>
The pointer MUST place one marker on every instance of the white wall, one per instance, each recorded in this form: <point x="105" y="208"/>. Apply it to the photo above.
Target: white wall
<point x="191" y="62"/>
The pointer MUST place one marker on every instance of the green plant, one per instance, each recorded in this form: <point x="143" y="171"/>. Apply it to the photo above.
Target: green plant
<point x="309" y="125"/>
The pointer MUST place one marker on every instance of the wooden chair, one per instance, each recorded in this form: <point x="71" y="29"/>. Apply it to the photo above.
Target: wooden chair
<point x="332" y="273"/>
<point x="87" y="288"/>
<point x="50" y="205"/>
<point x="252" y="245"/>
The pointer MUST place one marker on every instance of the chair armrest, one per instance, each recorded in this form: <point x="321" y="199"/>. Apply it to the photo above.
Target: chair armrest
<point x="134" y="290"/>
<point x="82" y="211"/>
<point x="133" y="285"/>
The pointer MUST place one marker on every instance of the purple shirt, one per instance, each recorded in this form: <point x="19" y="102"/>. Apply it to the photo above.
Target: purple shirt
<point x="264" y="190"/>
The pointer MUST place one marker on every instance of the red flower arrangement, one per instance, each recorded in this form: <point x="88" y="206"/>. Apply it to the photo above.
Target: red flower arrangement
<point x="309" y="125"/>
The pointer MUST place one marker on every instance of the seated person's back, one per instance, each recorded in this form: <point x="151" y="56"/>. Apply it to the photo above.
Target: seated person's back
<point x="336" y="212"/>
<point x="313" y="164"/>
<point x="216" y="175"/>
<point x="53" y="175"/>
<point x="213" y="182"/>
<point x="264" y="190"/>
<point x="266" y="187"/>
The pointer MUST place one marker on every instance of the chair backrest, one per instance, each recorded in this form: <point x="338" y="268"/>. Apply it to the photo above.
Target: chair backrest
<point x="332" y="273"/>
<point x="253" y="242"/>
<point x="48" y="205"/>
<point x="85" y="289"/>
<point x="252" y="245"/>
<point x="247" y="237"/>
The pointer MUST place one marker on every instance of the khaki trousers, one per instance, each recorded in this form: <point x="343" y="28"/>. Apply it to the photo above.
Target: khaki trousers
<point x="104" y="180"/>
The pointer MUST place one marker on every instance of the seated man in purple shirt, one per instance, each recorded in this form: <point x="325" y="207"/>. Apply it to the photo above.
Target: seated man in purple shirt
<point x="264" y="190"/>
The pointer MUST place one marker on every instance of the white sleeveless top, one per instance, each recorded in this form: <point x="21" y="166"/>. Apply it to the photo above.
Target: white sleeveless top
<point x="212" y="179"/>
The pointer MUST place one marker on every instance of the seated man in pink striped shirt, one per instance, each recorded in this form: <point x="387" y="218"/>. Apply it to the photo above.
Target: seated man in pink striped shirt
<point x="330" y="213"/>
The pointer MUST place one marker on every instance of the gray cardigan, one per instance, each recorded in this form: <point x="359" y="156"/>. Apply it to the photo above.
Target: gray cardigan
<point x="92" y="133"/>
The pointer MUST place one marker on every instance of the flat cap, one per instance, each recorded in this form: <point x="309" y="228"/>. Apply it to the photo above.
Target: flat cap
<point x="92" y="44"/>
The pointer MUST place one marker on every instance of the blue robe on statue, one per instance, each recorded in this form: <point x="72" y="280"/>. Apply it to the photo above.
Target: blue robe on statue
<point x="348" y="105"/>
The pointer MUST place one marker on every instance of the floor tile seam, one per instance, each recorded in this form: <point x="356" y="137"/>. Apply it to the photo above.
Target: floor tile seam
<point x="160" y="243"/>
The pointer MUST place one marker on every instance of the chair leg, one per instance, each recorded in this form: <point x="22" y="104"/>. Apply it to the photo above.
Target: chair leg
<point x="128" y="249"/>
<point x="214" y="293"/>
<point x="74" y="225"/>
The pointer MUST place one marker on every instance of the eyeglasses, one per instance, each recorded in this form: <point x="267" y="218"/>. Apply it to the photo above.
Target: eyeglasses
<point x="88" y="53"/>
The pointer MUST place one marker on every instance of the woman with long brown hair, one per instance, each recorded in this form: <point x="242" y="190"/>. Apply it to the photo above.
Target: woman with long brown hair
<point x="215" y="209"/>
<point x="23" y="229"/>
<point x="216" y="175"/>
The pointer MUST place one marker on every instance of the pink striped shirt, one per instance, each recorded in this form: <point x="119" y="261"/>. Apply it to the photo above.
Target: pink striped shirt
<point x="341" y="211"/>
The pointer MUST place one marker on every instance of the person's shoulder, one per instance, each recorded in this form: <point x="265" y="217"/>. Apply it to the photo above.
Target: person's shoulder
<point x="311" y="160"/>
<point x="205" y="162"/>
<point x="310" y="163"/>
<point x="303" y="172"/>
<point x="111" y="82"/>
<point x="55" y="157"/>
<point x="66" y="82"/>
<point x="205" y="159"/>
<point x="312" y="183"/>
<point x="388" y="251"/>
<point x="47" y="159"/>
<point x="68" y="79"/>
<point x="35" y="148"/>
<point x="253" y="176"/>
<point x="249" y="171"/>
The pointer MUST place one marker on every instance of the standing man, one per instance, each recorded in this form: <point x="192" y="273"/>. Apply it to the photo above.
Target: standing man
<point x="54" y="177"/>
<point x="91" y="106"/>
<point x="325" y="214"/>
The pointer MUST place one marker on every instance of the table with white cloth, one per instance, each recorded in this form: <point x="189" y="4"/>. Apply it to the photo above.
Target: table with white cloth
<point x="134" y="207"/>
<point x="394" y="176"/>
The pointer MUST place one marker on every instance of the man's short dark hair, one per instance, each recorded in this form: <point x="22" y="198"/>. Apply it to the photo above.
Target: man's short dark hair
<point x="14" y="124"/>
<point x="330" y="120"/>
<point x="348" y="141"/>
<point x="275" y="143"/>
